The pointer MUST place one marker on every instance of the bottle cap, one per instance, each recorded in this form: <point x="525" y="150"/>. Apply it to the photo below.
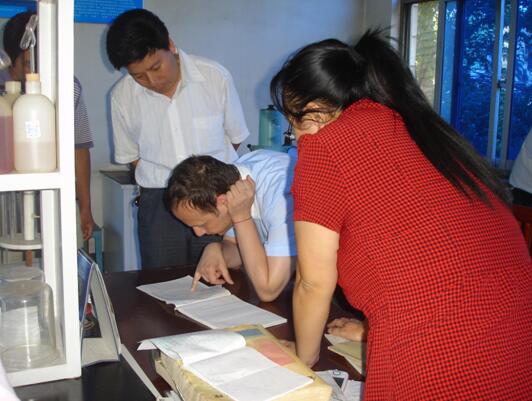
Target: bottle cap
<point x="32" y="77"/>
<point x="13" y="86"/>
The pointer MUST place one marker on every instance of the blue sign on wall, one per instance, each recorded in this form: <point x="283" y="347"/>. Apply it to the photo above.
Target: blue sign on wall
<point x="102" y="11"/>
<point x="9" y="10"/>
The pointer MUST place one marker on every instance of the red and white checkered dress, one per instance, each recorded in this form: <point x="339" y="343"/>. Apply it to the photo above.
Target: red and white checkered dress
<point x="445" y="281"/>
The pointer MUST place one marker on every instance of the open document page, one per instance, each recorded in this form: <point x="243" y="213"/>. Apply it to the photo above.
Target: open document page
<point x="213" y="307"/>
<point x="230" y="311"/>
<point x="222" y="359"/>
<point x="178" y="293"/>
<point x="193" y="347"/>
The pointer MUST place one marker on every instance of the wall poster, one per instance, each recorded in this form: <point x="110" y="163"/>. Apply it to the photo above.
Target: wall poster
<point x="102" y="11"/>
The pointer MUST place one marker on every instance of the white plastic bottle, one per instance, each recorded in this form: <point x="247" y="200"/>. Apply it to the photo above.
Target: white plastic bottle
<point x="13" y="89"/>
<point x="6" y="137"/>
<point x="34" y="130"/>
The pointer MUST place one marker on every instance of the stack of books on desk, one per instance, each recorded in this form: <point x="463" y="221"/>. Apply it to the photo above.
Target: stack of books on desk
<point x="213" y="306"/>
<point x="244" y="363"/>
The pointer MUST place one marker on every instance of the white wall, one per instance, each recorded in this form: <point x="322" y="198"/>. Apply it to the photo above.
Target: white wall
<point x="383" y="14"/>
<point x="250" y="38"/>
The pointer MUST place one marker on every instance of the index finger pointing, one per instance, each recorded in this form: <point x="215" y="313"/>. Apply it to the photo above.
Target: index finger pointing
<point x="195" y="280"/>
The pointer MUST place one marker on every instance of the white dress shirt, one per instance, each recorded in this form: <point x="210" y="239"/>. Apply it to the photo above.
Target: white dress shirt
<point x="203" y="117"/>
<point x="273" y="208"/>
<point x="521" y="176"/>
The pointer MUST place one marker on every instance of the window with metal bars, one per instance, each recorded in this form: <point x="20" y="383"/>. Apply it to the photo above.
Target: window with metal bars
<point x="473" y="60"/>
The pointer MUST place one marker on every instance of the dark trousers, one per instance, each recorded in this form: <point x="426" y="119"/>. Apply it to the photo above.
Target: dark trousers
<point x="522" y="197"/>
<point x="163" y="239"/>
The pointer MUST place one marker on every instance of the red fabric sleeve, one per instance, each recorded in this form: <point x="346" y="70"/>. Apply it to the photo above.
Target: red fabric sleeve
<point x="317" y="187"/>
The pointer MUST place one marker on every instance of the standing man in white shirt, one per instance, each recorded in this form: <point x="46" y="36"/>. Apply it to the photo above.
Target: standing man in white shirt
<point x="169" y="106"/>
<point x="521" y="176"/>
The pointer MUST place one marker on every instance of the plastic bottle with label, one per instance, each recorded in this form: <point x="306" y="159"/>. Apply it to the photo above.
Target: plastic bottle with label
<point x="270" y="127"/>
<point x="34" y="130"/>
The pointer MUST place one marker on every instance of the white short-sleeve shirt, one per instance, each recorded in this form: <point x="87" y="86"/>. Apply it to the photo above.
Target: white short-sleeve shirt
<point x="272" y="211"/>
<point x="521" y="176"/>
<point x="203" y="117"/>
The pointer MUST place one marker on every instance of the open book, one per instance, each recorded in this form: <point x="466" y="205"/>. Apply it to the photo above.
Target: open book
<point x="222" y="359"/>
<point x="353" y="351"/>
<point x="213" y="307"/>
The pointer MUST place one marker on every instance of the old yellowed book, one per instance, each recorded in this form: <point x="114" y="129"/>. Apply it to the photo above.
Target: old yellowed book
<point x="191" y="388"/>
<point x="353" y="351"/>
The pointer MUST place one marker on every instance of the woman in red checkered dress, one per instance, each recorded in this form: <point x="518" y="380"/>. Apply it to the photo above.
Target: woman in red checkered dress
<point x="395" y="206"/>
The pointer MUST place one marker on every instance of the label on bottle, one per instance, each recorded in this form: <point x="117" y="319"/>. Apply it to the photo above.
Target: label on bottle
<point x="33" y="129"/>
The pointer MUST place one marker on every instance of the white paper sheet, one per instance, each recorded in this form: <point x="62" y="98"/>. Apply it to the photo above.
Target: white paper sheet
<point x="354" y="390"/>
<point x="178" y="291"/>
<point x="229" y="311"/>
<point x="230" y="366"/>
<point x="193" y="347"/>
<point x="247" y="375"/>
<point x="266" y="385"/>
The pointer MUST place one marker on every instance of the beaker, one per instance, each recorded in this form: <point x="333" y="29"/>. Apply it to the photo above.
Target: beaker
<point x="27" y="328"/>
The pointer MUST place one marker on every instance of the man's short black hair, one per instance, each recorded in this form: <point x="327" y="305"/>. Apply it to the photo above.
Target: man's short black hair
<point x="13" y="32"/>
<point x="133" y="35"/>
<point x="198" y="180"/>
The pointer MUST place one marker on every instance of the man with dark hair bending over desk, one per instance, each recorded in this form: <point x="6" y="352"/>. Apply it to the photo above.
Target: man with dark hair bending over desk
<point x="250" y="204"/>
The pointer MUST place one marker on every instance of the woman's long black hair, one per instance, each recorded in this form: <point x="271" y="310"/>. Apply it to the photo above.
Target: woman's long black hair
<point x="335" y="75"/>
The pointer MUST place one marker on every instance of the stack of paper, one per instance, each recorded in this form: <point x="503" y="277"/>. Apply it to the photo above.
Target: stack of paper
<point x="222" y="359"/>
<point x="353" y="351"/>
<point x="213" y="307"/>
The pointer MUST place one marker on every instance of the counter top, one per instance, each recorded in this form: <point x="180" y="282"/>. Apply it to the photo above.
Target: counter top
<point x="123" y="177"/>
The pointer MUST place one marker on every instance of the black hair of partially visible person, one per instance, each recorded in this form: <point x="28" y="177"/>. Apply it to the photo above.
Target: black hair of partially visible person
<point x="335" y="75"/>
<point x="13" y="32"/>
<point x="198" y="180"/>
<point x="133" y="35"/>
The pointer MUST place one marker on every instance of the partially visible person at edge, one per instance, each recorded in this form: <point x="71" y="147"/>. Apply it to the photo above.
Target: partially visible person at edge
<point x="397" y="207"/>
<point x="250" y="205"/>
<point x="169" y="106"/>
<point x="20" y="66"/>
<point x="521" y="175"/>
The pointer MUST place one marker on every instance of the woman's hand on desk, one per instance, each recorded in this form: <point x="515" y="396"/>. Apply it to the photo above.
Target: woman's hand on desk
<point x="350" y="329"/>
<point x="212" y="267"/>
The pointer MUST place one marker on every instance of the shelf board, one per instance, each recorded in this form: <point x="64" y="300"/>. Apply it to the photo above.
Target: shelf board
<point x="18" y="243"/>
<point x="34" y="181"/>
<point x="44" y="374"/>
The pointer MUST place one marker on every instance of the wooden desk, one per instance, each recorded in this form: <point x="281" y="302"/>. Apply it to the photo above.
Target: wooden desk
<point x="140" y="316"/>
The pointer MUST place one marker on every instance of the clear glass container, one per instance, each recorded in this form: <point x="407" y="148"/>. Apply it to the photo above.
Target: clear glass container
<point x="12" y="272"/>
<point x="27" y="328"/>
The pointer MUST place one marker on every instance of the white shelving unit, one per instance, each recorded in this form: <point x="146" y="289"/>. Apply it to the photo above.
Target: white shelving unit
<point x="57" y="192"/>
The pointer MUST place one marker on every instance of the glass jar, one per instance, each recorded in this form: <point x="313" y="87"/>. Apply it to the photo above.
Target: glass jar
<point x="13" y="272"/>
<point x="27" y="328"/>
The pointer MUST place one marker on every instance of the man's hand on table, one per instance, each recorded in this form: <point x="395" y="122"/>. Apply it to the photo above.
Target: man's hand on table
<point x="212" y="267"/>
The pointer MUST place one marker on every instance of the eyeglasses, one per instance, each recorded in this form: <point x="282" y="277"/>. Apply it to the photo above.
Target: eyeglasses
<point x="289" y="134"/>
